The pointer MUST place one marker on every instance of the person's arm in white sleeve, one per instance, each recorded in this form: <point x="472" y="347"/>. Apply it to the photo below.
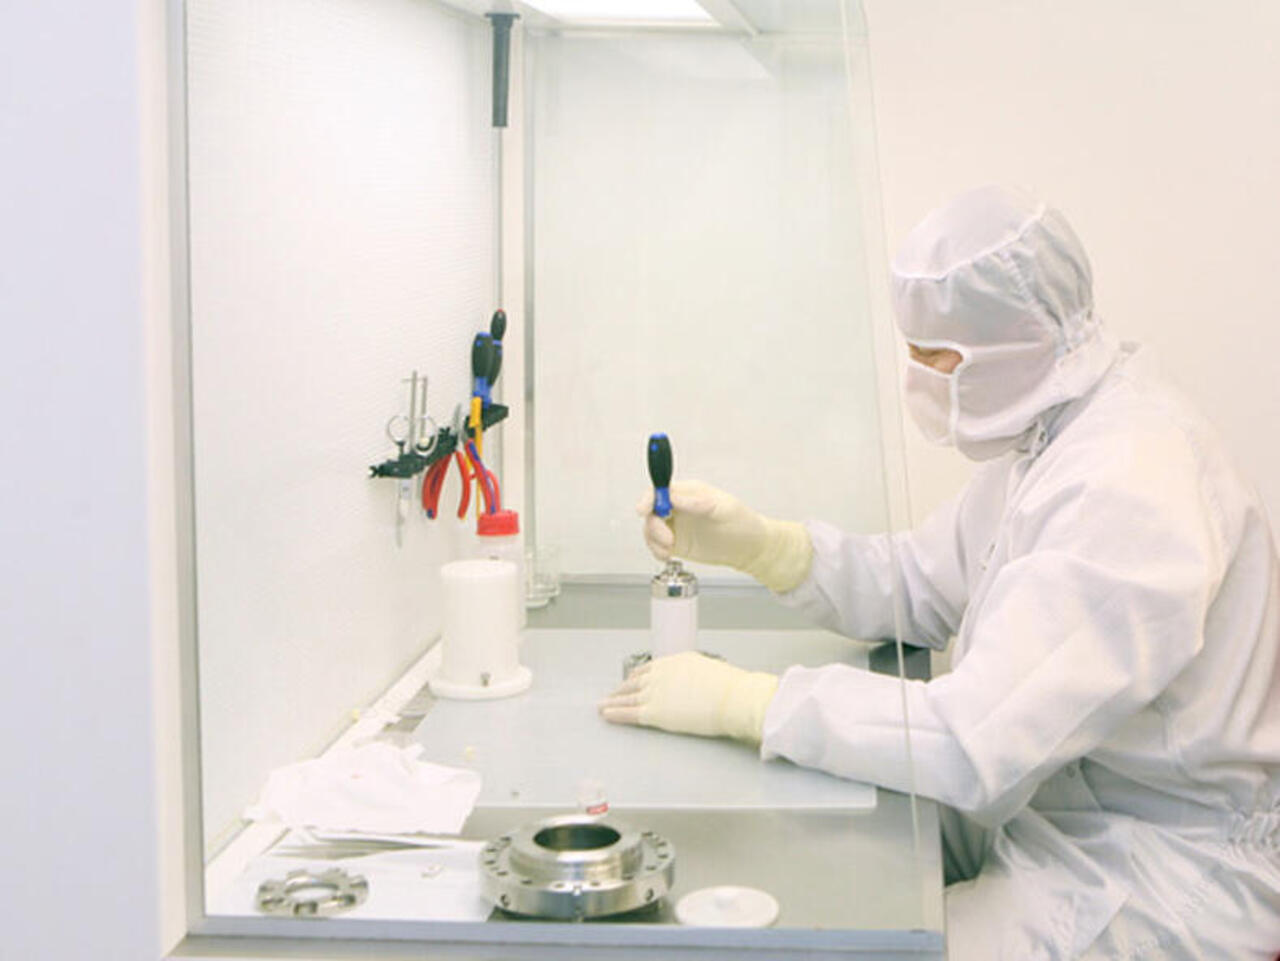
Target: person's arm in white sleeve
<point x="856" y="581"/>
<point x="1100" y="605"/>
<point x="848" y="583"/>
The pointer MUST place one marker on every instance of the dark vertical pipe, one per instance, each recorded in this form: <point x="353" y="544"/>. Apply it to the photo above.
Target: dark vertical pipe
<point x="501" y="63"/>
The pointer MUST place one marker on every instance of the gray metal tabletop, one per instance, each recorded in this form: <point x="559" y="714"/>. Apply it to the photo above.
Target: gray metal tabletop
<point x="854" y="870"/>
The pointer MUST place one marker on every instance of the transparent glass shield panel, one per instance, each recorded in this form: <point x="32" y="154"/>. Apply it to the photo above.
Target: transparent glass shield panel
<point x="707" y="262"/>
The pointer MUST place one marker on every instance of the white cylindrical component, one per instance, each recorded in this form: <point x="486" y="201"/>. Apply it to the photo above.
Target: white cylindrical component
<point x="673" y="610"/>
<point x="673" y="622"/>
<point x="480" y="658"/>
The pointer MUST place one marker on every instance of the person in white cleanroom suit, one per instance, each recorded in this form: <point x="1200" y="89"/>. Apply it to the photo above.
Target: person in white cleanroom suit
<point x="1107" y="744"/>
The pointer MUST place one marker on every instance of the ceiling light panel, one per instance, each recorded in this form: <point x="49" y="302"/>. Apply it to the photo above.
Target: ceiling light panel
<point x="631" y="11"/>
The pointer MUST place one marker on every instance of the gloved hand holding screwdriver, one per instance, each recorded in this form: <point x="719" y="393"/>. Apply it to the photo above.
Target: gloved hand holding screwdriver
<point x="714" y="527"/>
<point x="690" y="693"/>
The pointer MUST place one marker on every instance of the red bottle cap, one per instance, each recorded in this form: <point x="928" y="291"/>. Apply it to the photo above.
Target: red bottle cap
<point x="498" y="524"/>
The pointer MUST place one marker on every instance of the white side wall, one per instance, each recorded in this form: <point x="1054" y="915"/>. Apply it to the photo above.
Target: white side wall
<point x="1155" y="127"/>
<point x="342" y="193"/>
<point x="82" y="279"/>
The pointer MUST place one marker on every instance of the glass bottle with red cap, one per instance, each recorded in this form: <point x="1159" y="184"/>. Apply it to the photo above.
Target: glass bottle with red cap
<point x="499" y="538"/>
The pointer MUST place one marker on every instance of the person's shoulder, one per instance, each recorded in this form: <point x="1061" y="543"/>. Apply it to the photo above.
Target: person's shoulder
<point x="1138" y="448"/>
<point x="1136" y="421"/>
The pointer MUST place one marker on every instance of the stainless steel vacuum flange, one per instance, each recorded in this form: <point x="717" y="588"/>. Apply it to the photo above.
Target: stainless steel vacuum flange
<point x="575" y="867"/>
<point x="312" y="894"/>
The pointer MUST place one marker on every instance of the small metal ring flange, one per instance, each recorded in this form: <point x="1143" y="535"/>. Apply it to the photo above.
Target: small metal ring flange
<point x="312" y="894"/>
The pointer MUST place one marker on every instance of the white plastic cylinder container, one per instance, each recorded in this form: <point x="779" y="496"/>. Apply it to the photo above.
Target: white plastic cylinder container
<point x="480" y="645"/>
<point x="673" y="611"/>
<point x="499" y="537"/>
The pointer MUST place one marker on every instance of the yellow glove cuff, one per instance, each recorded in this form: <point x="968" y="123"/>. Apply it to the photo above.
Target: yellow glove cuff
<point x="784" y="561"/>
<point x="741" y="711"/>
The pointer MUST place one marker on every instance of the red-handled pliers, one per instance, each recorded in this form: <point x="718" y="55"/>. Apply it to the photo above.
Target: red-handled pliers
<point x="433" y="484"/>
<point x="489" y="491"/>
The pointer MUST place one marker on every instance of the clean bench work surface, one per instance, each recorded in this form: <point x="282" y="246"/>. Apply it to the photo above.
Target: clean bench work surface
<point x="857" y="882"/>
<point x="534" y="749"/>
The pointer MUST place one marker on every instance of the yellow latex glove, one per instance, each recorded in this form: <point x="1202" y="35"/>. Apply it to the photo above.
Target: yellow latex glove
<point x="709" y="525"/>
<point x="690" y="693"/>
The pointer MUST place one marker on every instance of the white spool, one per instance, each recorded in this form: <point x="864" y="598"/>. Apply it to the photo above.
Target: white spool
<point x="480" y="647"/>
<point x="673" y="624"/>
<point x="727" y="906"/>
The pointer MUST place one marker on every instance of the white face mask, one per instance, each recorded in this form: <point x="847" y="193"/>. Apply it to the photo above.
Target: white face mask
<point x="931" y="399"/>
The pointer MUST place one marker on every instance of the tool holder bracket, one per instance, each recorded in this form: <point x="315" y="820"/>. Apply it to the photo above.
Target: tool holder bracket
<point x="411" y="463"/>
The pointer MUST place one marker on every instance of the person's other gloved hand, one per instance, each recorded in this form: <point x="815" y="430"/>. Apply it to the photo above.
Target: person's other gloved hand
<point x="709" y="525"/>
<point x="690" y="693"/>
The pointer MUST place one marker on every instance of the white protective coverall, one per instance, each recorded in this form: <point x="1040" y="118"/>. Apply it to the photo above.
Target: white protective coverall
<point x="1112" y="718"/>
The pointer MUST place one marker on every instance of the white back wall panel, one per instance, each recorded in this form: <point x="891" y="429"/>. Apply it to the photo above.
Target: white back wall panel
<point x="342" y="234"/>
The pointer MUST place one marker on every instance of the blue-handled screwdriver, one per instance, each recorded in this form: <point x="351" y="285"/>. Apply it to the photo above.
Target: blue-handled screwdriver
<point x="660" y="467"/>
